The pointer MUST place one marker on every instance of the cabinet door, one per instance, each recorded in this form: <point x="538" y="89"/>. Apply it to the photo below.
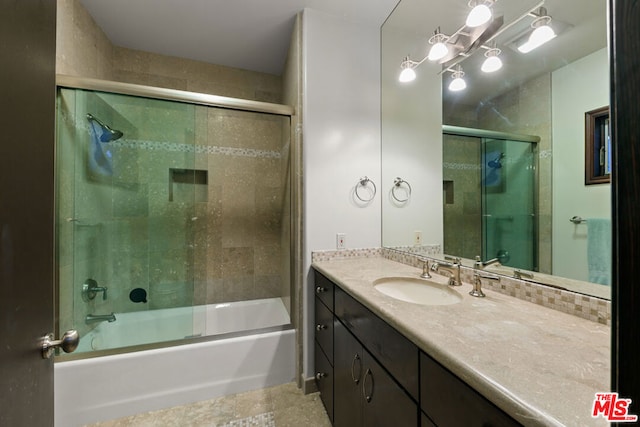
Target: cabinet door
<point x="385" y="402"/>
<point x="450" y="402"/>
<point x="347" y="368"/>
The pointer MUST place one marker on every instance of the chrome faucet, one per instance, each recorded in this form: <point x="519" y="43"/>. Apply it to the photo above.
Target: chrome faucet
<point x="453" y="268"/>
<point x="96" y="318"/>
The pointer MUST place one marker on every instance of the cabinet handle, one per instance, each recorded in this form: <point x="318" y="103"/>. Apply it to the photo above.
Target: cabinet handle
<point x="320" y="290"/>
<point x="367" y="396"/>
<point x="356" y="379"/>
<point x="320" y="375"/>
<point x="320" y="327"/>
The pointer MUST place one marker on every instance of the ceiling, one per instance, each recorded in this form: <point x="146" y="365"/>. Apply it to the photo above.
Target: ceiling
<point x="248" y="34"/>
<point x="586" y="33"/>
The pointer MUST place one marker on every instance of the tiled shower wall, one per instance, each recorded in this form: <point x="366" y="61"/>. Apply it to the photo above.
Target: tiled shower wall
<point x="241" y="224"/>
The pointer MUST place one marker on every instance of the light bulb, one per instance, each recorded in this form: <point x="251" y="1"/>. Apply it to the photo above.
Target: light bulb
<point x="438" y="51"/>
<point x="541" y="34"/>
<point x="491" y="64"/>
<point x="407" y="75"/>
<point x="457" y="84"/>
<point x="481" y="14"/>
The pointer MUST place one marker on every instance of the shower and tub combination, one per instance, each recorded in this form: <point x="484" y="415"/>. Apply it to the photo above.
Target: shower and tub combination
<point x="491" y="195"/>
<point x="173" y="247"/>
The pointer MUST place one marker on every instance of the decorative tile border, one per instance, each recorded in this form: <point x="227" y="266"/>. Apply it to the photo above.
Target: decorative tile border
<point x="318" y="256"/>
<point x="195" y="148"/>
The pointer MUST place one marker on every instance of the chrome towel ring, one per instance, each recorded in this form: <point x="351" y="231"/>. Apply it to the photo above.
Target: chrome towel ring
<point x="364" y="182"/>
<point x="397" y="183"/>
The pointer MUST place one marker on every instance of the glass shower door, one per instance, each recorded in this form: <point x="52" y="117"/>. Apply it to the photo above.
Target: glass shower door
<point x="508" y="203"/>
<point x="127" y="193"/>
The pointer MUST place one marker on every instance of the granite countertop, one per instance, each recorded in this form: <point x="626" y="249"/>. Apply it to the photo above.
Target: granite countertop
<point x="541" y="366"/>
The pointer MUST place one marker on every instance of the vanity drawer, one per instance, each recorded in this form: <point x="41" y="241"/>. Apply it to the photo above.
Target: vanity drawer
<point x="324" y="329"/>
<point x="396" y="353"/>
<point x="324" y="380"/>
<point x="323" y="288"/>
<point x="448" y="401"/>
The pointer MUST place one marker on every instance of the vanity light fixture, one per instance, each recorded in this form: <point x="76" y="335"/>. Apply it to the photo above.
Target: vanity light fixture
<point x="493" y="61"/>
<point x="476" y="34"/>
<point x="438" y="49"/>
<point x="541" y="34"/>
<point x="458" y="83"/>
<point x="408" y="73"/>
<point x="480" y="14"/>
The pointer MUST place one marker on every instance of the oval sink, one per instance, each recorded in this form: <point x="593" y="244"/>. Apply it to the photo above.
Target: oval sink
<point x="417" y="291"/>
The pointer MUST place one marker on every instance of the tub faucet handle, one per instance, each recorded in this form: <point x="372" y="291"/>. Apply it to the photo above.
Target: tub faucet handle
<point x="90" y="288"/>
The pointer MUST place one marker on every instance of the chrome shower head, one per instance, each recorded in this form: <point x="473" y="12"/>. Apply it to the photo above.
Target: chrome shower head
<point x="108" y="134"/>
<point x="497" y="162"/>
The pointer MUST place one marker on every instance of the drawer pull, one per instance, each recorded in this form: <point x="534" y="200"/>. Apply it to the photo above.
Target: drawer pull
<point x="368" y="396"/>
<point x="356" y="379"/>
<point x="320" y="375"/>
<point x="320" y="327"/>
<point x="320" y="290"/>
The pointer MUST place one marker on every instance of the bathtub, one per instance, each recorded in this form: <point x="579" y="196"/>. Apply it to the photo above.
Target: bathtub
<point x="102" y="388"/>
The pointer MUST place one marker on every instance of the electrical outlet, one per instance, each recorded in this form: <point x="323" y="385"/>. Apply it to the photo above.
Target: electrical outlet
<point x="340" y="240"/>
<point x="417" y="237"/>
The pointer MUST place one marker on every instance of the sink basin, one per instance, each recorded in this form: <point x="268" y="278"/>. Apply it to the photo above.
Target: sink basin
<point x="417" y="291"/>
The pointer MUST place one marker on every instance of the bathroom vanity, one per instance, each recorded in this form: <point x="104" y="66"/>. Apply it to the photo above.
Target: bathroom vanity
<point x="495" y="361"/>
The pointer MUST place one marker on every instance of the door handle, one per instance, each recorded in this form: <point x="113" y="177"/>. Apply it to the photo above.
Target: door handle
<point x="367" y="395"/>
<point x="68" y="343"/>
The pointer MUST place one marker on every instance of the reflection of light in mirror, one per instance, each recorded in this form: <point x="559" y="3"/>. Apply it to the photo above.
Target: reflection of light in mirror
<point x="493" y="61"/>
<point x="407" y="75"/>
<point x="458" y="83"/>
<point x="480" y="14"/>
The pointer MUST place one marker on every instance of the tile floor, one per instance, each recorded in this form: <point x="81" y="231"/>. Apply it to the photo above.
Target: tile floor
<point x="280" y="406"/>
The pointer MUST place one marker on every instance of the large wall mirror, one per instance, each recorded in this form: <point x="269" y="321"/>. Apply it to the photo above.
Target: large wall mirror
<point x="497" y="169"/>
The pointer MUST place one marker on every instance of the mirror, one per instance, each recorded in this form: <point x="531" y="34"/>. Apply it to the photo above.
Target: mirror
<point x="498" y="169"/>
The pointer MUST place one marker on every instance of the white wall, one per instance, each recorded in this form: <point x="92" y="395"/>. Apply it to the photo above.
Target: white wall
<point x="411" y="143"/>
<point x="341" y="133"/>
<point x="576" y="88"/>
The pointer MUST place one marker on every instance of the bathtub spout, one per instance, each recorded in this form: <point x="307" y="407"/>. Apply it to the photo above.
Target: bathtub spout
<point x="95" y="318"/>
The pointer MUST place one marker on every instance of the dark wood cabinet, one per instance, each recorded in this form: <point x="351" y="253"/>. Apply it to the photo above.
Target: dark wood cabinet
<point x="369" y="374"/>
<point x="323" y="346"/>
<point x="365" y="394"/>
<point x="450" y="402"/>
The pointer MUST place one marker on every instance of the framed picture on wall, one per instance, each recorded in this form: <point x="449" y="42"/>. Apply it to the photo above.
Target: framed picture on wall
<point x="597" y="147"/>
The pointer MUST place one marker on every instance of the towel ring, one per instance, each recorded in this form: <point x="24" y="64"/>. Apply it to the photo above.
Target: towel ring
<point x="396" y="184"/>
<point x="364" y="182"/>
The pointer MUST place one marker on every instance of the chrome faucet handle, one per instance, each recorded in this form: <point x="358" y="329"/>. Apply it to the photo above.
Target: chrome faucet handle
<point x="479" y="264"/>
<point x="425" y="270"/>
<point x="477" y="284"/>
<point x="90" y="288"/>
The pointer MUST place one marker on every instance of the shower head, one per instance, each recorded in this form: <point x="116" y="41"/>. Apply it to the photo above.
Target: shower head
<point x="497" y="162"/>
<point x="107" y="134"/>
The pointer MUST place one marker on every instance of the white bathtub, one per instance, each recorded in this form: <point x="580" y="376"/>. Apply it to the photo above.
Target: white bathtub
<point x="108" y="387"/>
